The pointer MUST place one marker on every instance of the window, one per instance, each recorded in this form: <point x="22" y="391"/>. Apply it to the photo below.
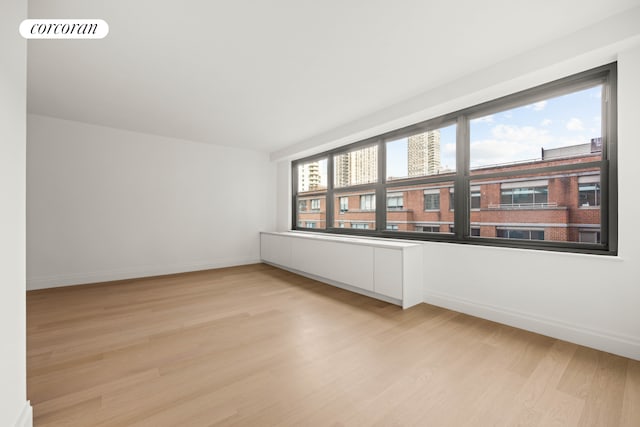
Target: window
<point x="515" y="196"/>
<point x="475" y="197"/>
<point x="528" y="170"/>
<point x="589" y="191"/>
<point x="394" y="201"/>
<point x="423" y="153"/>
<point x="362" y="211"/>
<point x="589" y="236"/>
<point x="368" y="202"/>
<point x="431" y="200"/>
<point x="521" y="234"/>
<point x="344" y="204"/>
<point x="428" y="228"/>
<point x="311" y="212"/>
<point x="312" y="176"/>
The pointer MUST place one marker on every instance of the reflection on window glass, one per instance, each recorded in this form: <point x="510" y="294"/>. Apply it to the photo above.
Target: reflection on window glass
<point x="356" y="167"/>
<point x="426" y="153"/>
<point x="567" y="126"/>
<point x="312" y="176"/>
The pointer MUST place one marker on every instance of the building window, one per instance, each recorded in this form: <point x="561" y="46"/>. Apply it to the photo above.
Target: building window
<point x="302" y="205"/>
<point x="315" y="204"/>
<point x="475" y="197"/>
<point x="393" y="227"/>
<point x="311" y="224"/>
<point x="507" y="233"/>
<point x="532" y="167"/>
<point x="428" y="228"/>
<point x="368" y="202"/>
<point x="394" y="201"/>
<point x="524" y="197"/>
<point x="431" y="200"/>
<point x="589" y="236"/>
<point x="588" y="191"/>
<point x="344" y="204"/>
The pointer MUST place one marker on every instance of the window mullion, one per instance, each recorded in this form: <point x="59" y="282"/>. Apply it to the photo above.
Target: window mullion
<point x="381" y="199"/>
<point x="461" y="184"/>
<point x="330" y="197"/>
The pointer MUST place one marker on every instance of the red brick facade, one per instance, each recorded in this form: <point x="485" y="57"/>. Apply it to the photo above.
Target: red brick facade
<point x="558" y="217"/>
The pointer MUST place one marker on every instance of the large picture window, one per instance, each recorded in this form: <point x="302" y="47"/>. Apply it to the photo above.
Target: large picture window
<point x="536" y="169"/>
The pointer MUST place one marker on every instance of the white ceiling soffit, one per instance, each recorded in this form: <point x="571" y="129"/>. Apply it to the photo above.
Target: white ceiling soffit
<point x="267" y="75"/>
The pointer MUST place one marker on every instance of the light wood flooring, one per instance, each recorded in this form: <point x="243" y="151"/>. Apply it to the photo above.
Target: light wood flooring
<point x="258" y="346"/>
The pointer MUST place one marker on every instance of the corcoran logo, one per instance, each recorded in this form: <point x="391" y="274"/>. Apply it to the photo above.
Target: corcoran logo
<point x="64" y="28"/>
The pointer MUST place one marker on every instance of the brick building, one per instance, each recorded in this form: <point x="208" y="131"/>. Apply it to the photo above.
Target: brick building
<point x="559" y="206"/>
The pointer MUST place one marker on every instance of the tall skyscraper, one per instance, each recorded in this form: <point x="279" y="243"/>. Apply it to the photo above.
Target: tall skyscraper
<point x="357" y="167"/>
<point x="424" y="153"/>
<point x="309" y="177"/>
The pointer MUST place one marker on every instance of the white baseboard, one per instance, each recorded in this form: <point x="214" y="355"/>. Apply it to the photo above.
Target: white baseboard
<point x="26" y="416"/>
<point x="60" y="280"/>
<point x="626" y="346"/>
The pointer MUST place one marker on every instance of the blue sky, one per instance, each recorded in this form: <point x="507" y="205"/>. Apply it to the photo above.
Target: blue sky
<point x="514" y="135"/>
<point x="520" y="133"/>
<point x="517" y="134"/>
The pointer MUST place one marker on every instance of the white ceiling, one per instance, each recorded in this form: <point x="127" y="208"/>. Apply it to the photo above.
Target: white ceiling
<point x="267" y="74"/>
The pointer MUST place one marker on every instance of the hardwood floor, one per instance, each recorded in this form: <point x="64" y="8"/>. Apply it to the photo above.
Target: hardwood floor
<point x="258" y="346"/>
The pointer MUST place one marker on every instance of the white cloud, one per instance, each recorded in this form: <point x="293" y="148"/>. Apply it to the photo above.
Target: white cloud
<point x="575" y="124"/>
<point x="539" y="106"/>
<point x="546" y="122"/>
<point x="493" y="152"/>
<point x="510" y="144"/>
<point x="513" y="133"/>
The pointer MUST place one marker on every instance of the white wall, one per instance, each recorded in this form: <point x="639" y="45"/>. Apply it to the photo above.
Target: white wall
<point x="591" y="300"/>
<point x="283" y="200"/>
<point x="14" y="409"/>
<point x="587" y="299"/>
<point x="105" y="204"/>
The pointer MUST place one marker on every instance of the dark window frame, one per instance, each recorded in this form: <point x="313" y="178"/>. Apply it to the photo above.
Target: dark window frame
<point x="462" y="178"/>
